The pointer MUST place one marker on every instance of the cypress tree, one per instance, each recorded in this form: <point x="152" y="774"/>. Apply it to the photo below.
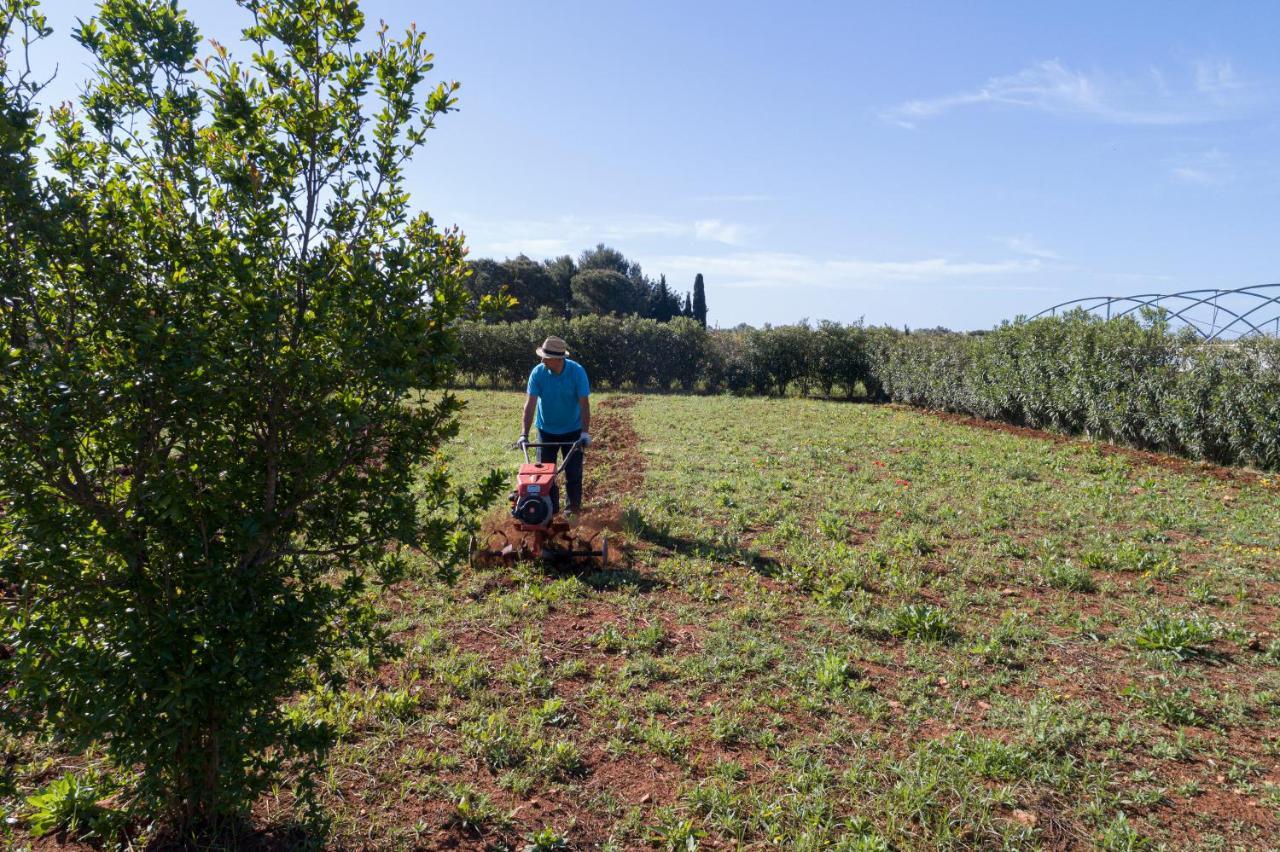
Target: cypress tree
<point x="687" y="311"/>
<point x="699" y="300"/>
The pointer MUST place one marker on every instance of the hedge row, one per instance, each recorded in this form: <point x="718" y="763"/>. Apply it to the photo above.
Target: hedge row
<point x="1126" y="380"/>
<point x="681" y="354"/>
<point x="1123" y="380"/>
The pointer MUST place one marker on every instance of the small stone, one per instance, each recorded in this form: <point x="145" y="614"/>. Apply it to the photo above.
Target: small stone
<point x="1026" y="818"/>
<point x="645" y="798"/>
<point x="1008" y="591"/>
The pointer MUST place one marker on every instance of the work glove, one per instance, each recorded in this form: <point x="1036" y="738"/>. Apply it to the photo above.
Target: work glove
<point x="523" y="443"/>
<point x="585" y="439"/>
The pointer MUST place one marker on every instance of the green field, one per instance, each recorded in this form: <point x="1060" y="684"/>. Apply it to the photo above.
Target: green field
<point x="836" y="626"/>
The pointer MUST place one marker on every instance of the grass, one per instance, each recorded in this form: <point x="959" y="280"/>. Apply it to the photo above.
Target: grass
<point x="840" y="626"/>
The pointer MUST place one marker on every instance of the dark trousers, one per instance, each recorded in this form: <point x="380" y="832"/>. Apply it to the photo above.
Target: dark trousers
<point x="572" y="468"/>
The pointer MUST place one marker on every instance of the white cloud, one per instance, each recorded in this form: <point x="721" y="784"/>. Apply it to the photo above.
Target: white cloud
<point x="745" y="198"/>
<point x="628" y="230"/>
<point x="532" y="247"/>
<point x="1218" y="79"/>
<point x="1134" y="278"/>
<point x="717" y="231"/>
<point x="774" y="269"/>
<point x="1215" y="92"/>
<point x="1025" y="245"/>
<point x="1206" y="168"/>
<point x="568" y="234"/>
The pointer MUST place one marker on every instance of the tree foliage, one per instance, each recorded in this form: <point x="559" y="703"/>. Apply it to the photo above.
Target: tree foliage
<point x="663" y="303"/>
<point x="607" y="283"/>
<point x="220" y="312"/>
<point x="530" y="284"/>
<point x="605" y="291"/>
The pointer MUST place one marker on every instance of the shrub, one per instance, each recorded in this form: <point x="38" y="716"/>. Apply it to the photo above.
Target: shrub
<point x="214" y="338"/>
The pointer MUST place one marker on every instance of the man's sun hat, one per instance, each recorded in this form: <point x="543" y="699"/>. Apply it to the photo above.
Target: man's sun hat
<point x="552" y="347"/>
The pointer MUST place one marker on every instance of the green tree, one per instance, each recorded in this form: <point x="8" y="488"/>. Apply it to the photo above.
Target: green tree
<point x="605" y="291"/>
<point x="604" y="257"/>
<point x="699" y="306"/>
<point x="220" y="314"/>
<point x="687" y="310"/>
<point x="663" y="304"/>
<point x="562" y="269"/>
<point x="531" y="285"/>
<point x="485" y="278"/>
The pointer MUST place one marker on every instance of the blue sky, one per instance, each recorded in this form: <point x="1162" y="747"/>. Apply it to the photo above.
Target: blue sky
<point x="909" y="163"/>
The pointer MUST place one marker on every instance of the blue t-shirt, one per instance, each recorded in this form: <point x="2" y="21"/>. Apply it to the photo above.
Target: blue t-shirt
<point x="558" y="395"/>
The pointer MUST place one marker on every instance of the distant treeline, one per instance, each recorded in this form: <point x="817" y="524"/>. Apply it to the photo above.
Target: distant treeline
<point x="601" y="281"/>
<point x="1128" y="380"/>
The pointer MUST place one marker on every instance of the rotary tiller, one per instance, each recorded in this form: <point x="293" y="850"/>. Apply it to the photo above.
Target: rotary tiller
<point x="543" y="532"/>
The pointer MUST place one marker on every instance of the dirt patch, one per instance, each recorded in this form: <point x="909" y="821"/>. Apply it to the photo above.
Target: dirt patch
<point x="1142" y="457"/>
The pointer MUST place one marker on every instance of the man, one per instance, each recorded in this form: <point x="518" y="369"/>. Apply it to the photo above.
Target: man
<point x="560" y="393"/>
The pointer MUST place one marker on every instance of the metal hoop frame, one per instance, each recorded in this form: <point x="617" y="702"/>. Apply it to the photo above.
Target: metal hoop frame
<point x="1179" y="305"/>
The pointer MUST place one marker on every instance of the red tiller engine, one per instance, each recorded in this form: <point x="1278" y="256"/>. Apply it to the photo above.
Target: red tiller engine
<point x="531" y="502"/>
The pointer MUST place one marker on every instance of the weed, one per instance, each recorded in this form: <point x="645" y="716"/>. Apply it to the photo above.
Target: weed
<point x="1179" y="747"/>
<point x="527" y="674"/>
<point x="1011" y="549"/>
<point x="1171" y="706"/>
<point x="833" y="526"/>
<point x="398" y="704"/>
<point x="1068" y="577"/>
<point x="923" y="623"/>
<point x="913" y="542"/>
<point x="496" y="742"/>
<point x="1051" y="725"/>
<point x="1098" y="560"/>
<point x="832" y="671"/>
<point x="463" y="673"/>
<point x="674" y="833"/>
<point x="560" y="759"/>
<point x="69" y="803"/>
<point x="1120" y="836"/>
<point x="472" y="810"/>
<point x="551" y="713"/>
<point x="1182" y="636"/>
<point x="609" y="639"/>
<point x="546" y="840"/>
<point x="665" y="740"/>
